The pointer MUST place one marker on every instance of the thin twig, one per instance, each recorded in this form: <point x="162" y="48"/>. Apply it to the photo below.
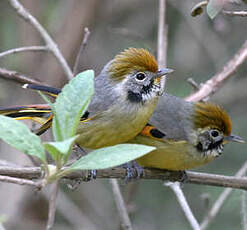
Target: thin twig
<point x="120" y="173"/>
<point x="82" y="48"/>
<point x="52" y="205"/>
<point x="193" y="83"/>
<point x="162" y="39"/>
<point x="23" y="13"/>
<point x="184" y="204"/>
<point x="210" y="86"/>
<point x="121" y="207"/>
<point x="220" y="201"/>
<point x="20" y="181"/>
<point x="17" y="77"/>
<point x="244" y="209"/>
<point x="1" y="226"/>
<point x="24" y="49"/>
<point x="75" y="216"/>
<point x="241" y="13"/>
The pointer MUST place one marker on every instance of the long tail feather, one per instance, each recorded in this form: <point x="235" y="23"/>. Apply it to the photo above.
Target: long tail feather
<point x="51" y="91"/>
<point x="40" y="113"/>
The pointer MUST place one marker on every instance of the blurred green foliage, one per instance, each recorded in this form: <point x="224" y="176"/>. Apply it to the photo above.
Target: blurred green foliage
<point x="197" y="47"/>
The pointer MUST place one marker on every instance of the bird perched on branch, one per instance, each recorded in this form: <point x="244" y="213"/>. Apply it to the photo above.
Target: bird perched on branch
<point x="126" y="93"/>
<point x="186" y="135"/>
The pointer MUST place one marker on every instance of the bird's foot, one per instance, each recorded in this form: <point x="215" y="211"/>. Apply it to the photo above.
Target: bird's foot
<point x="133" y="171"/>
<point x="87" y="176"/>
<point x="92" y="175"/>
<point x="183" y="178"/>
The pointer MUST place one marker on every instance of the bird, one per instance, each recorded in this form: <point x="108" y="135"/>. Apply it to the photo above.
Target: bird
<point x="126" y="93"/>
<point x="186" y="135"/>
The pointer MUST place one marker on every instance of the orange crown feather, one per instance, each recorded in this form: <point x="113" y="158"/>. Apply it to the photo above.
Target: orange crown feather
<point x="213" y="116"/>
<point x="132" y="59"/>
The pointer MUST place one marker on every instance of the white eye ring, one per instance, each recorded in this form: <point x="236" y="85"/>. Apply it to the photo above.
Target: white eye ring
<point x="140" y="76"/>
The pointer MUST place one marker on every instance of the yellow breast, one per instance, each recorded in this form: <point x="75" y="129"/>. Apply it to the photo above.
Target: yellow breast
<point x="177" y="155"/>
<point x="115" y="126"/>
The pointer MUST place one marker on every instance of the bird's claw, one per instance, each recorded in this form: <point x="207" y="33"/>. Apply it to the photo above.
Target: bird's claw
<point x="92" y="175"/>
<point x="183" y="178"/>
<point x="133" y="171"/>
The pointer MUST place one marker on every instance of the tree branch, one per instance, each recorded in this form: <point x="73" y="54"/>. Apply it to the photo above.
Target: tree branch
<point x="235" y="13"/>
<point x="82" y="48"/>
<point x="220" y="201"/>
<point x="51" y="45"/>
<point x="121" y="207"/>
<point x="52" y="206"/>
<point x="175" y="187"/>
<point x="17" y="77"/>
<point x="162" y="39"/>
<point x="24" y="49"/>
<point x="19" y="181"/>
<point x="120" y="173"/>
<point x="210" y="86"/>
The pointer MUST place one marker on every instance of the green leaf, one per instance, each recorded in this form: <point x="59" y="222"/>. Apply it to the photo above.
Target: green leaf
<point x="71" y="104"/>
<point x="60" y="147"/>
<point x="19" y="136"/>
<point x="111" y="156"/>
<point x="214" y="7"/>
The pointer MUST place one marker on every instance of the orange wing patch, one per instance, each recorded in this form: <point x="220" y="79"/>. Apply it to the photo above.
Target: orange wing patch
<point x="152" y="132"/>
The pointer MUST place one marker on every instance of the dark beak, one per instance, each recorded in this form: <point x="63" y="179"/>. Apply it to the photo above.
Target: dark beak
<point x="163" y="72"/>
<point x="234" y="138"/>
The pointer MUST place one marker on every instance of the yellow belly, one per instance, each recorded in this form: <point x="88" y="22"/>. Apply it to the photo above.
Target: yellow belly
<point x="111" y="128"/>
<point x="179" y="155"/>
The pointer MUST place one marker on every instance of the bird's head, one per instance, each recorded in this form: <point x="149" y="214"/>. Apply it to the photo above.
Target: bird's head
<point x="136" y="71"/>
<point x="214" y="128"/>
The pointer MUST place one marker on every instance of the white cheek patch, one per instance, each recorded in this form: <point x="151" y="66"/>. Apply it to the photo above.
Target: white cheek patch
<point x="214" y="152"/>
<point x="154" y="92"/>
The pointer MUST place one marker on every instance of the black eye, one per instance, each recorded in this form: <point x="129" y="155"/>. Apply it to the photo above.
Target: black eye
<point x="140" y="76"/>
<point x="214" y="133"/>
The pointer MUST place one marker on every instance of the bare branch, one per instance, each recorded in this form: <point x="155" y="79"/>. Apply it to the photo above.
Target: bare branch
<point x="24" y="49"/>
<point x="17" y="77"/>
<point x="2" y="227"/>
<point x="121" y="207"/>
<point x="52" y="205"/>
<point x="19" y="181"/>
<point x="82" y="48"/>
<point x="244" y="209"/>
<point x="220" y="201"/>
<point x="120" y="173"/>
<point x="75" y="216"/>
<point x="175" y="187"/>
<point x="23" y="13"/>
<point x="210" y="87"/>
<point x="235" y="13"/>
<point x="193" y="83"/>
<point x="162" y="39"/>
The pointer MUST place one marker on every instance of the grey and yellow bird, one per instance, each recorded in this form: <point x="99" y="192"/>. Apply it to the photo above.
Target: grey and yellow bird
<point x="126" y="93"/>
<point x="186" y="135"/>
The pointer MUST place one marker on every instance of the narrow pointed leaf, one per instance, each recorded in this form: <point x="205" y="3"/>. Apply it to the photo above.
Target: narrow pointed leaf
<point x="72" y="103"/>
<point x="19" y="136"/>
<point x="60" y="147"/>
<point x="111" y="156"/>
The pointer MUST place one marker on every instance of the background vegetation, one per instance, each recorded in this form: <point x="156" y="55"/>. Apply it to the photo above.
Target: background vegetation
<point x="197" y="47"/>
